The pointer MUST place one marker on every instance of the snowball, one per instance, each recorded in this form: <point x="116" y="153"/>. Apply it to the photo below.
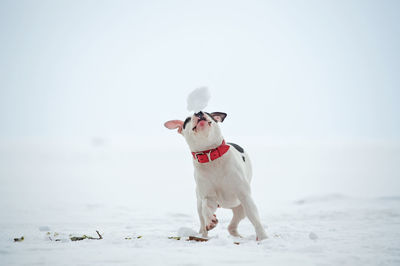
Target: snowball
<point x="44" y="228"/>
<point x="185" y="231"/>
<point x="313" y="236"/>
<point x="198" y="99"/>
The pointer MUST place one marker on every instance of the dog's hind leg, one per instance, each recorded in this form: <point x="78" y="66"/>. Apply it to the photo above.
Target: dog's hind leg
<point x="252" y="213"/>
<point x="238" y="215"/>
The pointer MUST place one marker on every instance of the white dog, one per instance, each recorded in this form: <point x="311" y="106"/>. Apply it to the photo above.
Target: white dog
<point x="222" y="173"/>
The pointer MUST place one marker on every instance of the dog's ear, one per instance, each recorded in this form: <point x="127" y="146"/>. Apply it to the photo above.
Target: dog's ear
<point x="218" y="116"/>
<point x="173" y="124"/>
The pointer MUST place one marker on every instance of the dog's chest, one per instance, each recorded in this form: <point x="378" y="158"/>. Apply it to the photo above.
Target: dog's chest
<point x="221" y="174"/>
<point x="221" y="179"/>
<point x="222" y="184"/>
<point x="216" y="170"/>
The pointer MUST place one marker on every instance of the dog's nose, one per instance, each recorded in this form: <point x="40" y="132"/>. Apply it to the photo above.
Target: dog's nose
<point x="199" y="114"/>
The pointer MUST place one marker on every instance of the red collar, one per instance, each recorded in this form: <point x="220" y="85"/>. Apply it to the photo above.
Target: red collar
<point x="211" y="155"/>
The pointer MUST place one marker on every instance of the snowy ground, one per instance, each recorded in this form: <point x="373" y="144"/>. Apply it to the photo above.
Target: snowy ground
<point x="129" y="192"/>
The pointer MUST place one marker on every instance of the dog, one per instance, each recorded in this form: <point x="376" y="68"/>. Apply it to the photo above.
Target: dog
<point x="222" y="172"/>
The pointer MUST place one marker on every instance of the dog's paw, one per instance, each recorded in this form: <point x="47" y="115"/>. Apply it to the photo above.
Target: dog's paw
<point x="261" y="237"/>
<point x="213" y="223"/>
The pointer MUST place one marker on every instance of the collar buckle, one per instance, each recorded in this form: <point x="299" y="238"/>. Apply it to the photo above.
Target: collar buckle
<point x="212" y="154"/>
<point x="204" y="153"/>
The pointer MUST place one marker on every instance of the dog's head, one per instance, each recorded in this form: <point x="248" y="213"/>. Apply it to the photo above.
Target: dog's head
<point x="201" y="130"/>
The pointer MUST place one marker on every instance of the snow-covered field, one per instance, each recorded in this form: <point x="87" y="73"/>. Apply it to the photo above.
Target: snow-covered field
<point x="138" y="195"/>
<point x="335" y="231"/>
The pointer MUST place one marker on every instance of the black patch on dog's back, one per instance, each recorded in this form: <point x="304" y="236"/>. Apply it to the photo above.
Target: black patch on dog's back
<point x="186" y="121"/>
<point x="240" y="149"/>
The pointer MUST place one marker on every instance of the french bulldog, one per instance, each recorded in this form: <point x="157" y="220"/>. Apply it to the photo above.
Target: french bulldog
<point x="222" y="172"/>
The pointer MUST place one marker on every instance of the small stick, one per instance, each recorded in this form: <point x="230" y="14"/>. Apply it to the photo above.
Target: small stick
<point x="174" y="237"/>
<point x="77" y="238"/>
<point x="19" y="239"/>
<point x="100" y="237"/>
<point x="198" y="239"/>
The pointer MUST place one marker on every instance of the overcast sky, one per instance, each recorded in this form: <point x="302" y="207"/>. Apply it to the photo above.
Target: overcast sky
<point x="312" y="69"/>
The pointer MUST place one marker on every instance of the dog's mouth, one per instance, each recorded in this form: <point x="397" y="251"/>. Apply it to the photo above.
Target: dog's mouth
<point x="201" y="122"/>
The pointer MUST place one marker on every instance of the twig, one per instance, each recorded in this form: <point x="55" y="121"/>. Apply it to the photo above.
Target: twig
<point x="198" y="239"/>
<point x="77" y="238"/>
<point x="20" y="239"/>
<point x="174" y="237"/>
<point x="100" y="237"/>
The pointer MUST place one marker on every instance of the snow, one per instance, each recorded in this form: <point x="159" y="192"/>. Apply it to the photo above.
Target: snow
<point x="44" y="228"/>
<point x="198" y="99"/>
<point x="313" y="236"/>
<point x="186" y="231"/>
<point x="352" y="232"/>
<point x="51" y="191"/>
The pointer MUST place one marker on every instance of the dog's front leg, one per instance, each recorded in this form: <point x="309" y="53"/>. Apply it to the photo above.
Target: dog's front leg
<point x="209" y="206"/>
<point x="203" y="230"/>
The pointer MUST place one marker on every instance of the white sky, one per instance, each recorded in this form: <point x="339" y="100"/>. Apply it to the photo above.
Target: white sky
<point x="311" y="69"/>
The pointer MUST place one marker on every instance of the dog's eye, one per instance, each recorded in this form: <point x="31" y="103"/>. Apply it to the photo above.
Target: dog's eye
<point x="186" y="121"/>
